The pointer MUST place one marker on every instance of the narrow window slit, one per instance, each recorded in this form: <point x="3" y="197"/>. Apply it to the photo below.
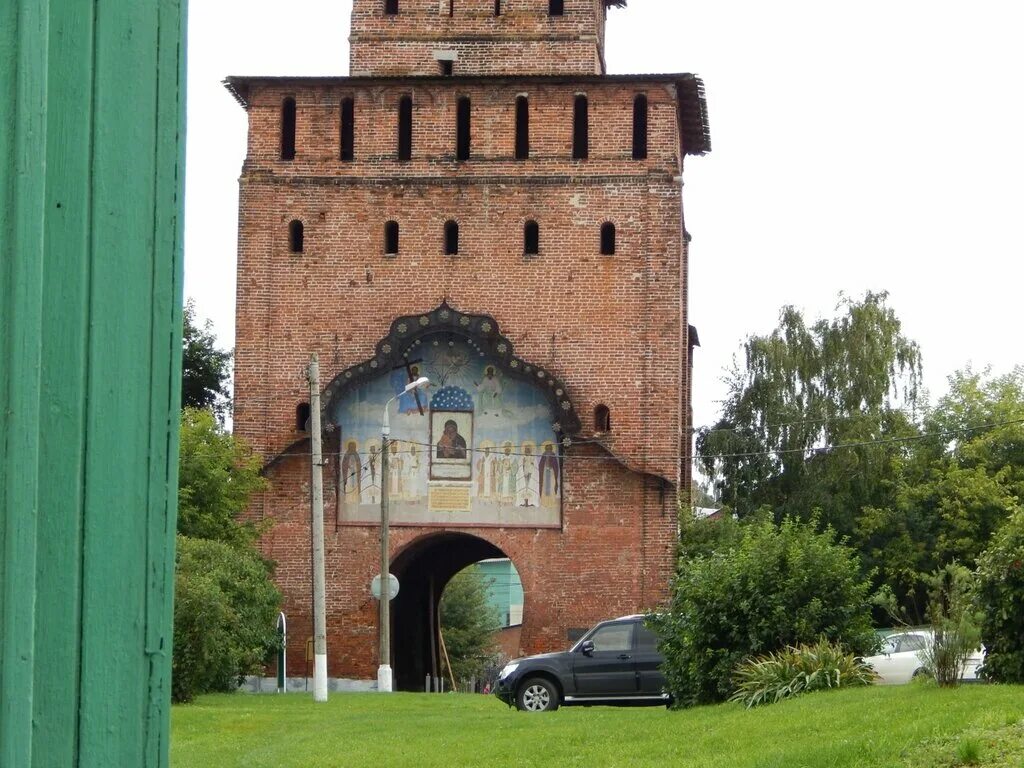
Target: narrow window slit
<point x="640" y="128"/>
<point x="580" y="129"/>
<point x="602" y="419"/>
<point x="302" y="414"/>
<point x="451" y="238"/>
<point x="348" y="130"/>
<point x="288" y="123"/>
<point x="463" y="138"/>
<point x="522" y="128"/>
<point x="405" y="128"/>
<point x="608" y="239"/>
<point x="531" y="238"/>
<point x="296" y="237"/>
<point x="391" y="238"/>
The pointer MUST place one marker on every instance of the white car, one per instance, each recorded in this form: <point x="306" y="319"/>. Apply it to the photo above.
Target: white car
<point x="901" y="660"/>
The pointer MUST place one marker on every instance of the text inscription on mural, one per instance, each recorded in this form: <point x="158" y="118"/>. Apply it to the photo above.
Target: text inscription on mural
<point x="478" y="447"/>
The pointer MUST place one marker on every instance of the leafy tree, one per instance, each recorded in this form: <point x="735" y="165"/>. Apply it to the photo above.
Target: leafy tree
<point x="958" y="486"/>
<point x="225" y="611"/>
<point x="1001" y="599"/>
<point x="468" y="624"/>
<point x="806" y="387"/>
<point x="218" y="475"/>
<point x="205" y="370"/>
<point x="777" y="586"/>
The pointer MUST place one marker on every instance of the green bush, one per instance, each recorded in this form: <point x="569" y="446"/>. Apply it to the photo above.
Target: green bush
<point x="793" y="671"/>
<point x="954" y="621"/>
<point x="777" y="586"/>
<point x="1001" y="599"/>
<point x="225" y="612"/>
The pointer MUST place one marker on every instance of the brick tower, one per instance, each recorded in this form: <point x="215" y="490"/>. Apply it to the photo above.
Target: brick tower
<point x="480" y="204"/>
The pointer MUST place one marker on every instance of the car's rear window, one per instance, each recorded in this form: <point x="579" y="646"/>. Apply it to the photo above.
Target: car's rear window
<point x="646" y="640"/>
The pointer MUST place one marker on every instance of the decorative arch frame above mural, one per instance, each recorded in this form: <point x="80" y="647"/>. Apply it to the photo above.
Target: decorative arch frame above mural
<point x="481" y="447"/>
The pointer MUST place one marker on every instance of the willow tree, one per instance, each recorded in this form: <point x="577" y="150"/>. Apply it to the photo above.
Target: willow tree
<point x="816" y="415"/>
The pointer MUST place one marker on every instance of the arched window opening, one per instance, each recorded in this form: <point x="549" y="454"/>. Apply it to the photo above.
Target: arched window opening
<point x="608" y="239"/>
<point x="391" y="238"/>
<point x="640" y="128"/>
<point x="602" y="419"/>
<point x="451" y="238"/>
<point x="296" y="237"/>
<point x="531" y="238"/>
<point x="348" y="130"/>
<point x="522" y="128"/>
<point x="463" y="137"/>
<point x="405" y="128"/>
<point x="580" y="129"/>
<point x="302" y="414"/>
<point x="391" y="7"/>
<point x="556" y="7"/>
<point x="288" y="121"/>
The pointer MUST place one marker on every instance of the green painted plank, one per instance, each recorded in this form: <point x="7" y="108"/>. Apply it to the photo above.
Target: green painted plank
<point x="165" y="386"/>
<point x="117" y="461"/>
<point x="91" y="117"/>
<point x="66" y="282"/>
<point x="24" y="145"/>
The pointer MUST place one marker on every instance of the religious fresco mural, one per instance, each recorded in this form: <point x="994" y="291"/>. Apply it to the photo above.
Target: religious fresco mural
<point x="478" y="447"/>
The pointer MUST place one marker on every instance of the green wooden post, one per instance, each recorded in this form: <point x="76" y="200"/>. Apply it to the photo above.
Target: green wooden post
<point x="91" y="178"/>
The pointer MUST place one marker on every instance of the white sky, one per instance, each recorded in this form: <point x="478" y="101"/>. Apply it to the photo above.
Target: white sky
<point x="871" y="145"/>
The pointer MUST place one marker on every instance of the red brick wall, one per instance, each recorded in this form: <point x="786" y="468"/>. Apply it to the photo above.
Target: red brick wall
<point x="613" y="557"/>
<point x="611" y="327"/>
<point x="523" y="39"/>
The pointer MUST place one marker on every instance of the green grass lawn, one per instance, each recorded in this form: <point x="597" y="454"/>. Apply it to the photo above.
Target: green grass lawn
<point x="916" y="725"/>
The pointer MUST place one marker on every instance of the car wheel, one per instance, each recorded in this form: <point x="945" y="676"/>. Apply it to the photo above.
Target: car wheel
<point x="537" y="695"/>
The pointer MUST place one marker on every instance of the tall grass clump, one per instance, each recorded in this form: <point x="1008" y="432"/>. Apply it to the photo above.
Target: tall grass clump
<point x="794" y="671"/>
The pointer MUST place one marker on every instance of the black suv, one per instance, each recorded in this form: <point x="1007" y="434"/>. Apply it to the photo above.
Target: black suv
<point x="617" y="662"/>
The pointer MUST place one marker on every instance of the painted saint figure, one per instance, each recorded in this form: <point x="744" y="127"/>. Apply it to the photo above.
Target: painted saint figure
<point x="483" y="471"/>
<point x="549" y="476"/>
<point x="412" y="474"/>
<point x="494" y="465"/>
<point x="452" y="445"/>
<point x="490" y="392"/>
<point x="509" y="475"/>
<point x="371" y="487"/>
<point x="352" y="474"/>
<point x="529" y="467"/>
<point x="396" y="479"/>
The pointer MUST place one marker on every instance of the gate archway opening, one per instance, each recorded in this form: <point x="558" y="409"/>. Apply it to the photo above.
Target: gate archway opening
<point x="424" y="569"/>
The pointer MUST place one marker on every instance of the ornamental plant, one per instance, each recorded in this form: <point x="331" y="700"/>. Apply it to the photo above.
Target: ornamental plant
<point x="954" y="621"/>
<point x="794" y="671"/>
<point x="1001" y="599"/>
<point x="775" y="587"/>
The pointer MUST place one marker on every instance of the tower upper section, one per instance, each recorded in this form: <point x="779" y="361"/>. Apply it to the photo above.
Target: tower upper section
<point x="478" y="37"/>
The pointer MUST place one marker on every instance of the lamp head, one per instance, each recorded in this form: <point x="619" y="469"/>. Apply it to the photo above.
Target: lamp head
<point x="422" y="381"/>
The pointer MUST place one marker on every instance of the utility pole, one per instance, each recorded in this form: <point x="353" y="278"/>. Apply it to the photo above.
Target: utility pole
<point x="317" y="527"/>
<point x="384" y="680"/>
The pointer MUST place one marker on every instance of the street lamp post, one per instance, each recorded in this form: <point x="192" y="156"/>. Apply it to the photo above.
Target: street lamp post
<point x="384" y="677"/>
